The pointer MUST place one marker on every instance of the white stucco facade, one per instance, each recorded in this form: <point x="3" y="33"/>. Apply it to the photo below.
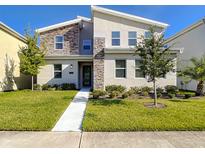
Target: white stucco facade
<point x="130" y="80"/>
<point x="102" y="24"/>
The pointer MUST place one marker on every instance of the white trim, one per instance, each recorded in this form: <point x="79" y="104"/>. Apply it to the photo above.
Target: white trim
<point x="116" y="38"/>
<point x="71" y="57"/>
<point x="129" y="16"/>
<point x="12" y="32"/>
<point x="58" y="42"/>
<point x="121" y="68"/>
<point x="131" y="38"/>
<point x="70" y="22"/>
<point x="84" y="18"/>
<point x="57" y="71"/>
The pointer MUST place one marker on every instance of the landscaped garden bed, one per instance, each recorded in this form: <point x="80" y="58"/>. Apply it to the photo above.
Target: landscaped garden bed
<point x="178" y="112"/>
<point x="32" y="110"/>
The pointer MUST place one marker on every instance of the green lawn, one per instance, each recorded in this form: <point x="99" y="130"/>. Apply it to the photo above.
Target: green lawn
<point x="27" y="110"/>
<point x="131" y="115"/>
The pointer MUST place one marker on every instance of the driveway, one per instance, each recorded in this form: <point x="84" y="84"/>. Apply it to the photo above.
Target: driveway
<point x="179" y="139"/>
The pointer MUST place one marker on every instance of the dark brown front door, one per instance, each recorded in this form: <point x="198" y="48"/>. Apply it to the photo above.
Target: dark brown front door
<point x="87" y="75"/>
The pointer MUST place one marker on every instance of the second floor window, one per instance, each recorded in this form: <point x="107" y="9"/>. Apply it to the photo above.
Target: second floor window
<point x="115" y="38"/>
<point x="57" y="71"/>
<point x="87" y="45"/>
<point x="59" y="40"/>
<point x="132" y="38"/>
<point x="120" y="68"/>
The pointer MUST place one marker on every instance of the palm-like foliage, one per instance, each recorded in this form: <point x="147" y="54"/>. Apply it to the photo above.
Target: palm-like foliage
<point x="156" y="60"/>
<point x="195" y="72"/>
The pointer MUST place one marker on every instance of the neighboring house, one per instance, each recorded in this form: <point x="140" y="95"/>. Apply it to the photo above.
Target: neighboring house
<point x="192" y="39"/>
<point x="98" y="51"/>
<point x="10" y="76"/>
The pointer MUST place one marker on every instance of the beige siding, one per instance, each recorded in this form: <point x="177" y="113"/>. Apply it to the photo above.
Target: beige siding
<point x="104" y="24"/>
<point x="9" y="45"/>
<point x="46" y="75"/>
<point x="130" y="80"/>
<point x="193" y="43"/>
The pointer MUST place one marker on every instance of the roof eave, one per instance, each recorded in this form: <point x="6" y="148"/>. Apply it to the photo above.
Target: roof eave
<point x="129" y="16"/>
<point x="12" y="32"/>
<point x="193" y="26"/>
<point x="55" y="26"/>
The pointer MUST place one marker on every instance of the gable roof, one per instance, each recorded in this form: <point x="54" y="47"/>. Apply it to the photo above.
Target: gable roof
<point x="129" y="16"/>
<point x="62" y="24"/>
<point x="184" y="31"/>
<point x="12" y="32"/>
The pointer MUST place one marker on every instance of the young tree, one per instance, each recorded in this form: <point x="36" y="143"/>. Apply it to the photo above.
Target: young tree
<point x="156" y="60"/>
<point x="195" y="72"/>
<point x="31" y="56"/>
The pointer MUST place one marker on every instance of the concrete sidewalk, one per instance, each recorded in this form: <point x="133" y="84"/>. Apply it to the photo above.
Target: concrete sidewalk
<point x="72" y="118"/>
<point x="171" y="139"/>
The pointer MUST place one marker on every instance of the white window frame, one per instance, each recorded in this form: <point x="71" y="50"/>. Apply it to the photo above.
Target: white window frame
<point x="57" y="71"/>
<point x="58" y="42"/>
<point x="87" y="42"/>
<point x="115" y="38"/>
<point x="138" y="68"/>
<point x="132" y="38"/>
<point x="121" y="69"/>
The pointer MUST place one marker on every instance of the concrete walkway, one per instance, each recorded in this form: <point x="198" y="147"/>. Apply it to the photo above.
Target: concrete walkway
<point x="72" y="118"/>
<point x="166" y="139"/>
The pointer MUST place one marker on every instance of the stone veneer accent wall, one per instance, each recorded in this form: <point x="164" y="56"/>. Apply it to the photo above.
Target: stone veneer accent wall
<point x="98" y="62"/>
<point x="71" y="40"/>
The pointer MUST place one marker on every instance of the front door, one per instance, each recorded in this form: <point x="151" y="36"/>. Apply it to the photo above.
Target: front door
<point x="87" y="75"/>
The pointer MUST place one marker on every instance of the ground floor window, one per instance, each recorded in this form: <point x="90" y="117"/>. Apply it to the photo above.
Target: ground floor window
<point x="138" y="72"/>
<point x="57" y="71"/>
<point x="120" y="68"/>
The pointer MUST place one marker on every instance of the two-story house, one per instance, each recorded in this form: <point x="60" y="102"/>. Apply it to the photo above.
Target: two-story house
<point x="10" y="76"/>
<point x="98" y="51"/>
<point x="191" y="39"/>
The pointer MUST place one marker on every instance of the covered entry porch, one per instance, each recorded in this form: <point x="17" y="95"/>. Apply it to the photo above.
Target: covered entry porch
<point x="85" y="72"/>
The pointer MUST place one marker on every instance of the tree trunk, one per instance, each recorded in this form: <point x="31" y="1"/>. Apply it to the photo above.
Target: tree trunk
<point x="32" y="82"/>
<point x="200" y="88"/>
<point x="155" y="93"/>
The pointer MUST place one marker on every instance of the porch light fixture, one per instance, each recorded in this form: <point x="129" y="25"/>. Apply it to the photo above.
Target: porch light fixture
<point x="71" y="66"/>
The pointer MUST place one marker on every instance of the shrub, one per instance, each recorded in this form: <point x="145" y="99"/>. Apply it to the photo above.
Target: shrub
<point x="145" y="93"/>
<point x="159" y="95"/>
<point x="186" y="96"/>
<point x="112" y="88"/>
<point x="159" y="92"/>
<point x="131" y="92"/>
<point x="37" y="87"/>
<point x="171" y="95"/>
<point x="114" y="94"/>
<point x="125" y="94"/>
<point x="52" y="89"/>
<point x="171" y="89"/>
<point x="97" y="93"/>
<point x="146" y="89"/>
<point x="68" y="86"/>
<point x="136" y="90"/>
<point x="45" y="86"/>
